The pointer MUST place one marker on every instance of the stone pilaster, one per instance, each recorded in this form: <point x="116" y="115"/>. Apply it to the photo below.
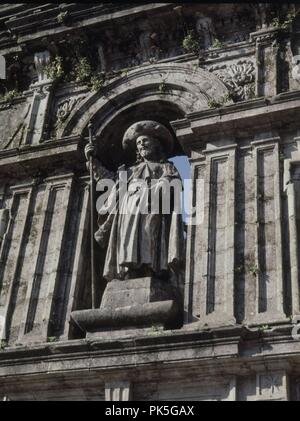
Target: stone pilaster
<point x="291" y="185"/>
<point x="210" y="265"/>
<point x="266" y="62"/>
<point x="266" y="266"/>
<point x="38" y="116"/>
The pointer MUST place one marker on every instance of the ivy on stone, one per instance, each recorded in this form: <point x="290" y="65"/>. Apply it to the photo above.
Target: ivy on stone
<point x="9" y="95"/>
<point x="190" y="43"/>
<point x="54" y="69"/>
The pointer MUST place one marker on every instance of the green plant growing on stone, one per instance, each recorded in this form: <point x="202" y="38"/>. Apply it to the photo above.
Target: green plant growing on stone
<point x="190" y="43"/>
<point x="3" y="344"/>
<point x="226" y="98"/>
<point x="155" y="330"/>
<point x="213" y="103"/>
<point x="82" y="71"/>
<point x="217" y="43"/>
<point x="52" y="339"/>
<point x="62" y="16"/>
<point x="253" y="269"/>
<point x="275" y="23"/>
<point x="162" y="88"/>
<point x="96" y="83"/>
<point x="9" y="96"/>
<point x="284" y="23"/>
<point x="54" y="69"/>
<point x="152" y="60"/>
<point x="263" y="328"/>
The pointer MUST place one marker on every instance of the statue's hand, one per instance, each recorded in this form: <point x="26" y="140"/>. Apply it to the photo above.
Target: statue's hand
<point x="89" y="151"/>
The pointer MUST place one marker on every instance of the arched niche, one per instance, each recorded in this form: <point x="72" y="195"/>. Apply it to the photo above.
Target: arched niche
<point x="109" y="137"/>
<point x="162" y="92"/>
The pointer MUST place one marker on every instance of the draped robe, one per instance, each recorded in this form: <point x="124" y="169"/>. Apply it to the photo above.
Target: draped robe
<point x="134" y="238"/>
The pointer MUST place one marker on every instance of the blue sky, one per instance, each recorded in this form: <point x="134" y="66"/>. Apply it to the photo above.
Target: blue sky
<point x="183" y="166"/>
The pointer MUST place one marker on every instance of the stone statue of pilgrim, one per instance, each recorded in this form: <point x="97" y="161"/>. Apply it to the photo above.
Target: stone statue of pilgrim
<point x="141" y="244"/>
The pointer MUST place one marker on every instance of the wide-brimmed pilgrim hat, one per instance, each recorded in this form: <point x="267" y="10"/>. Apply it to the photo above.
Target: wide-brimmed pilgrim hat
<point x="150" y="128"/>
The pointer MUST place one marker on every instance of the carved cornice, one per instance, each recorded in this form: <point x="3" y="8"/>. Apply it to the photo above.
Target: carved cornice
<point x="248" y="115"/>
<point x="22" y="26"/>
<point x="265" y="36"/>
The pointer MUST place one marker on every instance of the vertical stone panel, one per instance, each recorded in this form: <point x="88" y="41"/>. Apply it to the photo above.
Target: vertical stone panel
<point x="212" y="243"/>
<point x="195" y="244"/>
<point x="292" y="188"/>
<point x="72" y="267"/>
<point x="25" y="269"/>
<point x="295" y="176"/>
<point x="39" y="113"/>
<point x="13" y="251"/>
<point x="267" y="64"/>
<point x="293" y="245"/>
<point x="266" y="268"/>
<point x="217" y="232"/>
<point x="47" y="269"/>
<point x="245" y="291"/>
<point x="38" y="264"/>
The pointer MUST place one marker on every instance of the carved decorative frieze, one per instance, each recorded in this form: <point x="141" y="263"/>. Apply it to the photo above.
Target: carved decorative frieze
<point x="267" y="36"/>
<point x="238" y="77"/>
<point x="65" y="107"/>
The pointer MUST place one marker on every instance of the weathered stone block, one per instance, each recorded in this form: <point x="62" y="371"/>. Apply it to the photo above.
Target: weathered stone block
<point x="130" y="307"/>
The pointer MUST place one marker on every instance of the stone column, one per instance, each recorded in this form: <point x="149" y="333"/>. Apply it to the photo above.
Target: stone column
<point x="118" y="391"/>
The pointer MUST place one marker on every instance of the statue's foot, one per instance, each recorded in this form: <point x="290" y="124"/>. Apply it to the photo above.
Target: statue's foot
<point x="141" y="272"/>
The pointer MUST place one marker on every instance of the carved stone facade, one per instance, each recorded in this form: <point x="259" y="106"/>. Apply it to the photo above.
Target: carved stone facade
<point x="225" y="79"/>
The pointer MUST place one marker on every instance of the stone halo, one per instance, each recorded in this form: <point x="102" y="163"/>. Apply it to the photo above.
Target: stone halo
<point x="151" y="128"/>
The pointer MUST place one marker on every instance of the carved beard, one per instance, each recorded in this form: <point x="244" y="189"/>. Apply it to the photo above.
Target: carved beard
<point x="147" y="152"/>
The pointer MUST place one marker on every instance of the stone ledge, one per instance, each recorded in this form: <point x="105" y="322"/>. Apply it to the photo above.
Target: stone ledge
<point x="135" y="315"/>
<point x="230" y="341"/>
<point x="262" y="111"/>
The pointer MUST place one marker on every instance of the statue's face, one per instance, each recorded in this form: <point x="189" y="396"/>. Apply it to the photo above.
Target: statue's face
<point x="147" y="146"/>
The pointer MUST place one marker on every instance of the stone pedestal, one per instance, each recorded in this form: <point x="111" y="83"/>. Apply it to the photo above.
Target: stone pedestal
<point x="129" y="308"/>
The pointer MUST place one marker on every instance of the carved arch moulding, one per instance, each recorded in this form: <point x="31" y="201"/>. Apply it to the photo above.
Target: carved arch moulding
<point x="183" y="87"/>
